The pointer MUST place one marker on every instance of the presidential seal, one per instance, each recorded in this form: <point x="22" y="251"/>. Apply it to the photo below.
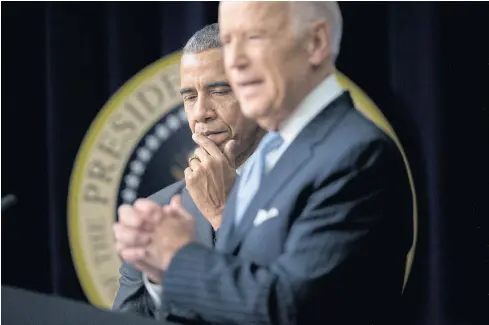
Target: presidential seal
<point x="138" y="144"/>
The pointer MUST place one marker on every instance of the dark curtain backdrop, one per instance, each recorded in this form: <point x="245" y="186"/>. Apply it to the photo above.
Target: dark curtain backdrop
<point x="423" y="63"/>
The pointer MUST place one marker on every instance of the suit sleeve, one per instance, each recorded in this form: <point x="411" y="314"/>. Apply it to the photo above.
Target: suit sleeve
<point x="132" y="295"/>
<point x="330" y="253"/>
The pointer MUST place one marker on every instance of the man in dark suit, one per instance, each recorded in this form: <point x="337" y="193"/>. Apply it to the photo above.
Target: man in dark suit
<point x="225" y="138"/>
<point x="317" y="229"/>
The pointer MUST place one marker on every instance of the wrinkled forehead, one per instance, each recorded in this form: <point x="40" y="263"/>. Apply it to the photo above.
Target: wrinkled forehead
<point x="238" y="15"/>
<point x="203" y="67"/>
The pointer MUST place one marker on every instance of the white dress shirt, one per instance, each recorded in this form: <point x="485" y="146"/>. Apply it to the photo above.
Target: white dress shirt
<point x="327" y="91"/>
<point x="154" y="290"/>
<point x="324" y="93"/>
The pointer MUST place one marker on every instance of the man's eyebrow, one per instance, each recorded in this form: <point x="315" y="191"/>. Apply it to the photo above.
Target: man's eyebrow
<point x="217" y="84"/>
<point x="211" y="85"/>
<point x="184" y="91"/>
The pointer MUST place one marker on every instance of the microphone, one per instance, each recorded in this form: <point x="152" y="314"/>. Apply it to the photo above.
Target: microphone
<point x="8" y="201"/>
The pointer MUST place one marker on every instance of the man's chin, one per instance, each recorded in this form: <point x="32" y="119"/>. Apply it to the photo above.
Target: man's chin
<point x="258" y="112"/>
<point x="222" y="144"/>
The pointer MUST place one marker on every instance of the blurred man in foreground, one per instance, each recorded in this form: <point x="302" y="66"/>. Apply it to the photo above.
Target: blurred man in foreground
<point x="225" y="141"/>
<point x="316" y="230"/>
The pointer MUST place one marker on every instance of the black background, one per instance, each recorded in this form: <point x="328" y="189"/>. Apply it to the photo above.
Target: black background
<point x="425" y="64"/>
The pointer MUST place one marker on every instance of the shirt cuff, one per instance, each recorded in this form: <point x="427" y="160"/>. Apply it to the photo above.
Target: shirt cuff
<point x="154" y="290"/>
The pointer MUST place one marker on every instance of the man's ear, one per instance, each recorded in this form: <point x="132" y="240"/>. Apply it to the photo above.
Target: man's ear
<point x="319" y="42"/>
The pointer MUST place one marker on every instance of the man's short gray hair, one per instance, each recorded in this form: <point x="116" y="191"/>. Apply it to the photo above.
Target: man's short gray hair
<point x="304" y="12"/>
<point x="205" y="39"/>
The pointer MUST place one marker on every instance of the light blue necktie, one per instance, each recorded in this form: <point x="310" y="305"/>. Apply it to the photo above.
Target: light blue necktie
<point x="253" y="172"/>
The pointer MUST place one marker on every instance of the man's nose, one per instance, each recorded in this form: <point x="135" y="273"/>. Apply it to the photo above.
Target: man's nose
<point x="203" y="110"/>
<point x="235" y="56"/>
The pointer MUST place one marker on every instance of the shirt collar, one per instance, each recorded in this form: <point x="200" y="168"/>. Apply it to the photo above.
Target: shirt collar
<point x="315" y="102"/>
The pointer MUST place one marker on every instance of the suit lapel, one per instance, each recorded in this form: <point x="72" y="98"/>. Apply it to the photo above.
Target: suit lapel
<point x="292" y="160"/>
<point x="203" y="229"/>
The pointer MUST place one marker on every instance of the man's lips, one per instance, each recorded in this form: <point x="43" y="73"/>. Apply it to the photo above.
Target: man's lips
<point x="216" y="136"/>
<point x="249" y="88"/>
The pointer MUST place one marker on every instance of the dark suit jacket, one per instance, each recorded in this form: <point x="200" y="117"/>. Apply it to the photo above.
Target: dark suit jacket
<point x="132" y="295"/>
<point x="335" y="254"/>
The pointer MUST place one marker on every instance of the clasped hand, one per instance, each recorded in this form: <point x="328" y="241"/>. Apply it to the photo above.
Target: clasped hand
<point x="148" y="235"/>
